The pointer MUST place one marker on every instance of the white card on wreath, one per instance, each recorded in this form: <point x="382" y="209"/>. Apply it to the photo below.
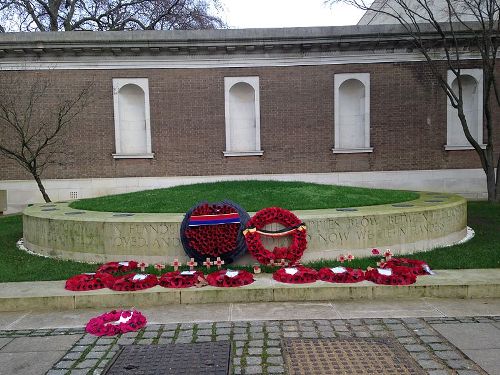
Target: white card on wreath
<point x="230" y="273"/>
<point x="385" y="271"/>
<point x="188" y="273"/>
<point x="291" y="271"/>
<point x="124" y="264"/>
<point x="139" y="276"/>
<point x="338" y="270"/>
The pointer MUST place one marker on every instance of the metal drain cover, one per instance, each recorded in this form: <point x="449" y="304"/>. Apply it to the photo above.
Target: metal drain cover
<point x="348" y="356"/>
<point x="211" y="358"/>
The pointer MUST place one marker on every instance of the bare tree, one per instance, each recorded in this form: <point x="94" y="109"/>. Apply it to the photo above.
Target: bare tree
<point x="67" y="15"/>
<point x="446" y="36"/>
<point x="34" y="121"/>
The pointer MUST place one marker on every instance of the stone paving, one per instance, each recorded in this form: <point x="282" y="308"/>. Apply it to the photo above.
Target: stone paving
<point x="257" y="345"/>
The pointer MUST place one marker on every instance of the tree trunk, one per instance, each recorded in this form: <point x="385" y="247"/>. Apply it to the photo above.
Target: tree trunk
<point x="40" y="186"/>
<point x="491" y="184"/>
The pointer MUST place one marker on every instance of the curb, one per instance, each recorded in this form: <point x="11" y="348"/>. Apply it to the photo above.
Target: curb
<point x="51" y="295"/>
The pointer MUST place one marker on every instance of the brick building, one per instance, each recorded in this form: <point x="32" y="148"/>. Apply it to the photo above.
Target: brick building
<point x="346" y="105"/>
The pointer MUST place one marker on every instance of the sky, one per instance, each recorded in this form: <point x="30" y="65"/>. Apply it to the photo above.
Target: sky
<point x="287" y="13"/>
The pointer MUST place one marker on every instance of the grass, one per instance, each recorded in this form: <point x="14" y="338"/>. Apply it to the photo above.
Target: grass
<point x="252" y="195"/>
<point x="483" y="251"/>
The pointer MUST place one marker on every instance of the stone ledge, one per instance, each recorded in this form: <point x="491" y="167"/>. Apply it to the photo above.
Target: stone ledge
<point x="51" y="295"/>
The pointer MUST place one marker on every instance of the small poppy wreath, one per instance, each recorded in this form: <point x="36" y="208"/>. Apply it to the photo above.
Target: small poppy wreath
<point x="403" y="265"/>
<point x="341" y="275"/>
<point x="134" y="281"/>
<point x="296" y="275"/>
<point x="177" y="279"/>
<point x="387" y="276"/>
<point x="115" y="267"/>
<point x="293" y="226"/>
<point x="230" y="278"/>
<point x="116" y="322"/>
<point x="89" y="281"/>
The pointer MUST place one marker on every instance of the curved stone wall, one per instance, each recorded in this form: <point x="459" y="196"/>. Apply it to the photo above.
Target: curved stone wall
<point x="432" y="220"/>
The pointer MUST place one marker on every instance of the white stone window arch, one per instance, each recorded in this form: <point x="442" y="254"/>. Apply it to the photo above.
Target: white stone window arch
<point x="132" y="118"/>
<point x="352" y="113"/>
<point x="242" y="111"/>
<point x="472" y="92"/>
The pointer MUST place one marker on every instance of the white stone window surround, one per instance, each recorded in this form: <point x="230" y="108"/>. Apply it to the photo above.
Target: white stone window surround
<point x="451" y="113"/>
<point x="230" y="82"/>
<point x="118" y="84"/>
<point x="339" y="79"/>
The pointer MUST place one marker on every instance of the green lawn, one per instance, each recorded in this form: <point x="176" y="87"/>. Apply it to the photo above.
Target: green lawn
<point x="251" y="195"/>
<point x="483" y="251"/>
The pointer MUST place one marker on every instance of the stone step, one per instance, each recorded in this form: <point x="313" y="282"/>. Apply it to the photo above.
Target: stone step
<point x="51" y="295"/>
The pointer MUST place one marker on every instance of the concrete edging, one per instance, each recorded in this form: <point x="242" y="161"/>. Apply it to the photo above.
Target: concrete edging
<point x="51" y="295"/>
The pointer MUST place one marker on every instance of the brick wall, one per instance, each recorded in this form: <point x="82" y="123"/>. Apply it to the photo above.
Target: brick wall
<point x="408" y="123"/>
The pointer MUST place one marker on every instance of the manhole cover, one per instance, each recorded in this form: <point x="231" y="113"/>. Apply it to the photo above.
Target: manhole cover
<point x="348" y="356"/>
<point x="182" y="359"/>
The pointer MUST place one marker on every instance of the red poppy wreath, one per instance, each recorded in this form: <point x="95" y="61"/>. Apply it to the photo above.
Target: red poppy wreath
<point x="184" y="279"/>
<point x="387" y="276"/>
<point x="230" y="278"/>
<point x="296" y="275"/>
<point x="115" y="267"/>
<point x="341" y="275"/>
<point x="90" y="281"/>
<point x="211" y="230"/>
<point x="134" y="281"/>
<point x="404" y="265"/>
<point x="293" y="227"/>
<point x="115" y="322"/>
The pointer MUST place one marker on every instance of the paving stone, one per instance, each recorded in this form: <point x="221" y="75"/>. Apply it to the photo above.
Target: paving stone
<point x="87" y="340"/>
<point x="78" y="348"/>
<point x="56" y="372"/>
<point x="256" y="329"/>
<point x="458" y="364"/>
<point x="223" y="331"/>
<point x="290" y="329"/>
<point x="239" y="330"/>
<point x="327" y="334"/>
<point x="437" y="372"/>
<point x="204" y="332"/>
<point x="252" y="361"/>
<point x="308" y="328"/>
<point x="425" y="332"/>
<point x="125" y="341"/>
<point x="88" y="363"/>
<point x="429" y="364"/>
<point x="130" y="334"/>
<point x="396" y="327"/>
<point x="391" y="321"/>
<point x="254" y="370"/>
<point x="421" y="355"/>
<point x="223" y="325"/>
<point x="165" y="340"/>
<point x="150" y="335"/>
<point x="415" y="348"/>
<point x="254" y="351"/>
<point x="101" y="348"/>
<point x="431" y="339"/>
<point x="467" y="372"/>
<point x="79" y="371"/>
<point x="290" y="334"/>
<point x="205" y="326"/>
<point x="273" y="343"/>
<point x="376" y="327"/>
<point x="239" y="344"/>
<point x="237" y="360"/>
<point x="183" y="340"/>
<point x="237" y="370"/>
<point x="340" y="328"/>
<point x="379" y="334"/>
<point x="272" y="329"/>
<point x="345" y="334"/>
<point x="64" y="364"/>
<point x="72" y="356"/>
<point x="273" y="336"/>
<point x="275" y="360"/>
<point x="104" y="341"/>
<point x="401" y="333"/>
<point x="168" y="334"/>
<point x="257" y="335"/>
<point x="448" y="354"/>
<point x="95" y="355"/>
<point x="407" y="340"/>
<point x="187" y="326"/>
<point x="273" y="351"/>
<point x="203" y="339"/>
<point x="239" y="351"/>
<point x="170" y="327"/>
<point x="221" y="338"/>
<point x="240" y="337"/>
<point x="275" y="370"/>
<point x="240" y="324"/>
<point x="362" y="334"/>
<point x="258" y="343"/>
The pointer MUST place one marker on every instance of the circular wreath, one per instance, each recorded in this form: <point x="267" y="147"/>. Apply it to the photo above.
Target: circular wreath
<point x="115" y="322"/>
<point x="387" y="276"/>
<point x="177" y="279"/>
<point x="211" y="230"/>
<point x="404" y="265"/>
<point x="134" y="281"/>
<point x="296" y="275"/>
<point x="89" y="281"/>
<point x="293" y="226"/>
<point x="116" y="267"/>
<point x="341" y="275"/>
<point x="229" y="278"/>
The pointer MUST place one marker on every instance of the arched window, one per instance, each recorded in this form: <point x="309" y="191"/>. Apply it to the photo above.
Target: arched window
<point x="242" y="116"/>
<point x="352" y="113"/>
<point x="472" y="89"/>
<point x="132" y="123"/>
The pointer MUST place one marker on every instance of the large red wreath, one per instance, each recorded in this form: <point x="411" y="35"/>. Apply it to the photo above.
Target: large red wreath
<point x="115" y="322"/>
<point x="296" y="275"/>
<point x="387" y="276"/>
<point x="229" y="278"/>
<point x="115" y="267"/>
<point x="293" y="226"/>
<point x="405" y="265"/>
<point x="134" y="281"/>
<point x="89" y="281"/>
<point x="341" y="275"/>
<point x="177" y="279"/>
